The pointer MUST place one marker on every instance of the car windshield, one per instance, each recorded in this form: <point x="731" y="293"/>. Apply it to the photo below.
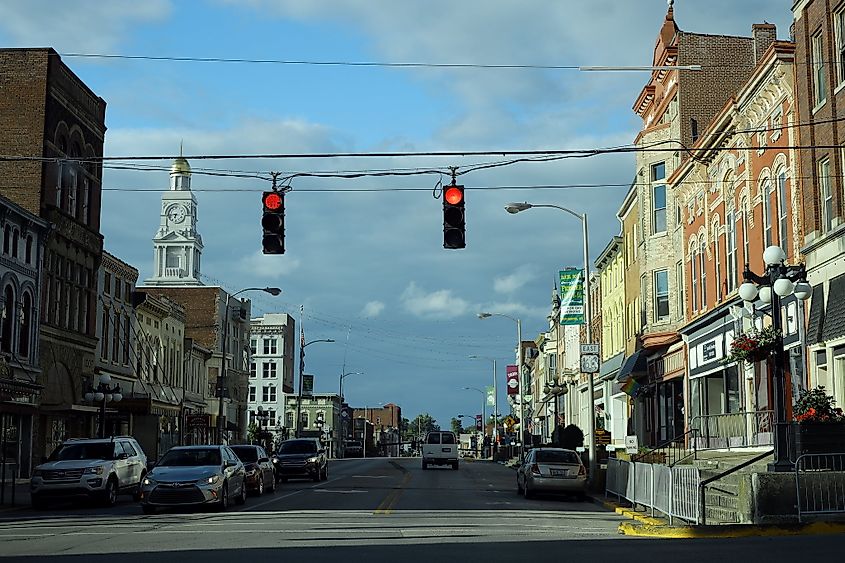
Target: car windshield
<point x="246" y="453"/>
<point x="95" y="450"/>
<point x="557" y="456"/>
<point x="298" y="447"/>
<point x="190" y="458"/>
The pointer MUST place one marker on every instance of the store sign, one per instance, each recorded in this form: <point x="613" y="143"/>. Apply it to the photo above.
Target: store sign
<point x="198" y="421"/>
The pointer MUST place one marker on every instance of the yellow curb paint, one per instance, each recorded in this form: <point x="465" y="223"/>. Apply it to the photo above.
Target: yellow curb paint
<point x="729" y="531"/>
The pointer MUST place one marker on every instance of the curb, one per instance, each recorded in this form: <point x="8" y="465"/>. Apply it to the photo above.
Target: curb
<point x="629" y="513"/>
<point x="730" y="530"/>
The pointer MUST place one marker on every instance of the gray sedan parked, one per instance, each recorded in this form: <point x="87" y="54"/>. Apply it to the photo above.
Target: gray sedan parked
<point x="551" y="470"/>
<point x="194" y="475"/>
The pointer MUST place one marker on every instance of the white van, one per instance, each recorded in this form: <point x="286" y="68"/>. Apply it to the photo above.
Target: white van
<point x="440" y="448"/>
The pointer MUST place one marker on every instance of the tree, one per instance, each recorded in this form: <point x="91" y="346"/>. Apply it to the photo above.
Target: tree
<point x="457" y="427"/>
<point x="422" y="424"/>
<point x="572" y="437"/>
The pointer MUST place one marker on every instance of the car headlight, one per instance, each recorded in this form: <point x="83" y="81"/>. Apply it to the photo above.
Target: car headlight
<point x="275" y="460"/>
<point x="214" y="479"/>
<point x="312" y="460"/>
<point x="148" y="482"/>
<point x="96" y="470"/>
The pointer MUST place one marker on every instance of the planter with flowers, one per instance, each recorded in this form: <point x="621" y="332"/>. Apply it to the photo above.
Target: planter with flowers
<point x="820" y="424"/>
<point x="752" y="346"/>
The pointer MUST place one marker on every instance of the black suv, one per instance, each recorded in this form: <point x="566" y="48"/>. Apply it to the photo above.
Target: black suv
<point x="302" y="457"/>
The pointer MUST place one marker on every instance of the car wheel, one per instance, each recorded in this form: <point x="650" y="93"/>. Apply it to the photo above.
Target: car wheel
<point x="148" y="509"/>
<point x="455" y="465"/>
<point x="518" y="487"/>
<point x="224" y="497"/>
<point x="424" y="465"/>
<point x="526" y="492"/>
<point x="325" y="474"/>
<point x="136" y="494"/>
<point x="260" y="485"/>
<point x="242" y="497"/>
<point x="38" y="503"/>
<point x="273" y="484"/>
<point x="110" y="494"/>
<point x="317" y="476"/>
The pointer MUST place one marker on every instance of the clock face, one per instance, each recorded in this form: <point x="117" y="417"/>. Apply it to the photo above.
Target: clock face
<point x="176" y="213"/>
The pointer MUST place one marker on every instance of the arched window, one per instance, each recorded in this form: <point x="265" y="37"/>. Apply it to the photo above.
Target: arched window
<point x="770" y="214"/>
<point x="717" y="260"/>
<point x="8" y="320"/>
<point x="7" y="239"/>
<point x="693" y="253"/>
<point x="702" y="256"/>
<point x="15" y="243"/>
<point x="783" y="213"/>
<point x="28" y="250"/>
<point x="743" y="218"/>
<point x="61" y="144"/>
<point x="26" y="326"/>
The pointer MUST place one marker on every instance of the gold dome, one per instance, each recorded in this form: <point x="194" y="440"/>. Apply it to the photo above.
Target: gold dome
<point x="180" y="166"/>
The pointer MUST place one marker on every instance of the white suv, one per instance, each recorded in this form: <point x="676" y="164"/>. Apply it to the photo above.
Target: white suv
<point x="93" y="468"/>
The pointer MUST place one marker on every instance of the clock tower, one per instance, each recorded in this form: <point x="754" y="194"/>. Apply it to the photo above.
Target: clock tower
<point x="177" y="246"/>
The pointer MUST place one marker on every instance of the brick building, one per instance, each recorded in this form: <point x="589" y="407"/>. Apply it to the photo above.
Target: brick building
<point x="819" y="32"/>
<point x="736" y="198"/>
<point x="675" y="106"/>
<point x="51" y="119"/>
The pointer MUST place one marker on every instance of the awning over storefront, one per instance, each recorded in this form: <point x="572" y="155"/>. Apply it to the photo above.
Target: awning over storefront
<point x="634" y="365"/>
<point x="611" y="366"/>
<point x="816" y="321"/>
<point x="834" y="315"/>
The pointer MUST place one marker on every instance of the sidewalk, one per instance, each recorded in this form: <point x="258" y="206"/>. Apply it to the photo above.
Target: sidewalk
<point x="21" y="496"/>
<point x="646" y="526"/>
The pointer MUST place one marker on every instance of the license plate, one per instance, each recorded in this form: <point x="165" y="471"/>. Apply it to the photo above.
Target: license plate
<point x="559" y="472"/>
<point x="446" y="450"/>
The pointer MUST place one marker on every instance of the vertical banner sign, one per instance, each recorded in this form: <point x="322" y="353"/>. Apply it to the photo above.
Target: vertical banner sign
<point x="307" y="385"/>
<point x="491" y="396"/>
<point x="513" y="380"/>
<point x="478" y="422"/>
<point x="572" y="296"/>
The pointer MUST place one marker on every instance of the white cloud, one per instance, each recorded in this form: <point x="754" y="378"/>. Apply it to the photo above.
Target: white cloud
<point x="80" y="26"/>
<point x="438" y="304"/>
<point x="266" y="267"/>
<point x="515" y="281"/>
<point x="372" y="309"/>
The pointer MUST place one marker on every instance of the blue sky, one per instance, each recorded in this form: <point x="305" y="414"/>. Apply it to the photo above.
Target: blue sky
<point x="374" y="261"/>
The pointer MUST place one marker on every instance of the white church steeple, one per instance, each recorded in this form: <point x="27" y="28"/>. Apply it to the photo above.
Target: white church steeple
<point x="177" y="246"/>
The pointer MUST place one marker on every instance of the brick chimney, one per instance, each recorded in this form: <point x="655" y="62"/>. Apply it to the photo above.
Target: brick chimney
<point x="764" y="34"/>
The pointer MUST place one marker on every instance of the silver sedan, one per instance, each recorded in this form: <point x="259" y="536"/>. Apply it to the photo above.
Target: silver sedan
<point x="194" y="475"/>
<point x="551" y="470"/>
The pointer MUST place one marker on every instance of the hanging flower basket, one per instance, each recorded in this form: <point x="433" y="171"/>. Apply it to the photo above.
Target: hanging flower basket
<point x="753" y="346"/>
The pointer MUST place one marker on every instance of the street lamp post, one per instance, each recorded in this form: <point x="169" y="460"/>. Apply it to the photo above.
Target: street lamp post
<point x="495" y="398"/>
<point x="261" y="418"/>
<point x="519" y="371"/>
<point x="591" y="419"/>
<point x="342" y="437"/>
<point x="778" y="281"/>
<point x="483" y="409"/>
<point x="222" y="383"/>
<point x="102" y="394"/>
<point x="298" y="424"/>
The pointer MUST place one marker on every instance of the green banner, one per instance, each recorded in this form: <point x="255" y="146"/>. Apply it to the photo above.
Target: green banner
<point x="572" y="296"/>
<point x="491" y="396"/>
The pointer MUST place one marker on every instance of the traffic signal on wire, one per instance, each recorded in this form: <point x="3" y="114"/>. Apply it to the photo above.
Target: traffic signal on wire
<point x="454" y="217"/>
<point x="273" y="222"/>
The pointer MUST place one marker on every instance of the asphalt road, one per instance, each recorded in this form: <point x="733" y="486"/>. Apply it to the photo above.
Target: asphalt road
<point x="374" y="508"/>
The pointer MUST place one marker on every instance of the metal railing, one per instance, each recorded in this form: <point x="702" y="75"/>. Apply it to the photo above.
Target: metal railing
<point x="734" y="430"/>
<point x="820" y="484"/>
<point x="702" y="485"/>
<point x="673" y="451"/>
<point x="658" y="488"/>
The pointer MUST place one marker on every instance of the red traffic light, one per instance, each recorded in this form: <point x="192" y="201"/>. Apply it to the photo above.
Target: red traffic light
<point x="272" y="201"/>
<point x="453" y="195"/>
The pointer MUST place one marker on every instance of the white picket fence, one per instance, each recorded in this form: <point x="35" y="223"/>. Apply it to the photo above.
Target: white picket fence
<point x="671" y="491"/>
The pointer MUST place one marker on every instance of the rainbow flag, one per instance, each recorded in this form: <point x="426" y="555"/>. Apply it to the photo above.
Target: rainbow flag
<point x="631" y="387"/>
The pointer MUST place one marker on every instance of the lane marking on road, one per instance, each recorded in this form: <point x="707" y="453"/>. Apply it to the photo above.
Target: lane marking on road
<point x="288" y="495"/>
<point x="386" y="506"/>
<point x="339" y="491"/>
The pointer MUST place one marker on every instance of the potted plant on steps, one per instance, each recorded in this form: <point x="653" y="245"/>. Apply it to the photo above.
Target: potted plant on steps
<point x="820" y="424"/>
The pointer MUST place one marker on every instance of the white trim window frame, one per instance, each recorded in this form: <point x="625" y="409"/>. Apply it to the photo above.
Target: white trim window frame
<point x="826" y="195"/>
<point x="819" y="72"/>
<point x="694" y="275"/>
<point x="661" y="295"/>
<point x="658" y="197"/>
<point x="839" y="34"/>
<point x="783" y="210"/>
